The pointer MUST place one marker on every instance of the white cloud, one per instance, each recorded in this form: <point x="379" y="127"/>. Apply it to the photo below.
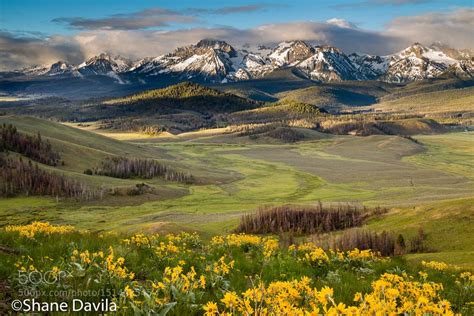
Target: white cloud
<point x="453" y="28"/>
<point x="340" y="23"/>
<point x="137" y="44"/>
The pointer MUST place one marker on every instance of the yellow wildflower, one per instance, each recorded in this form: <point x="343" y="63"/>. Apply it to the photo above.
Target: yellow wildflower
<point x="210" y="309"/>
<point x="317" y="255"/>
<point x="129" y="293"/>
<point x="440" y="266"/>
<point x="230" y="299"/>
<point x="202" y="281"/>
<point x="35" y="228"/>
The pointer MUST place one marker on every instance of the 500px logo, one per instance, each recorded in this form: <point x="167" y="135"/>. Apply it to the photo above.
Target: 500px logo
<point x="37" y="277"/>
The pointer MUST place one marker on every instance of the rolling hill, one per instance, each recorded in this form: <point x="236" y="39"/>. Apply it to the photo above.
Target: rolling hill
<point x="444" y="103"/>
<point x="80" y="150"/>
<point x="185" y="96"/>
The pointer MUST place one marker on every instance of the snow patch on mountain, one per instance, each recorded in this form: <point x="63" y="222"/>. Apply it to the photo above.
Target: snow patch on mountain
<point x="370" y="66"/>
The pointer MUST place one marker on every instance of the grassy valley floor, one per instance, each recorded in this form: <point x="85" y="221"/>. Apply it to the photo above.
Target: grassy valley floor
<point x="424" y="182"/>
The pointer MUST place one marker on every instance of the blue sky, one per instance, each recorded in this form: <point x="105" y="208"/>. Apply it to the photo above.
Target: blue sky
<point x="43" y="32"/>
<point x="37" y="16"/>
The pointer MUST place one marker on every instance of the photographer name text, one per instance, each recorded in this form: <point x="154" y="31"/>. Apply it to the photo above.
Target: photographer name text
<point x="76" y="305"/>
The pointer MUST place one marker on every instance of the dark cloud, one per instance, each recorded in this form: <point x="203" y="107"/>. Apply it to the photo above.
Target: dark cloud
<point x="148" y="18"/>
<point x="241" y="9"/>
<point x="17" y="52"/>
<point x="153" y="17"/>
<point x="232" y="9"/>
<point x="400" y="2"/>
<point x="368" y="3"/>
<point x="336" y="32"/>
<point x="23" y="33"/>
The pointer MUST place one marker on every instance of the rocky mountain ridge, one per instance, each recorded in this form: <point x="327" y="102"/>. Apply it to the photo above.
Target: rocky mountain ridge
<point x="216" y="61"/>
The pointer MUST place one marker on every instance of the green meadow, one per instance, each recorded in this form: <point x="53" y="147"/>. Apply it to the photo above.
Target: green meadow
<point x="424" y="183"/>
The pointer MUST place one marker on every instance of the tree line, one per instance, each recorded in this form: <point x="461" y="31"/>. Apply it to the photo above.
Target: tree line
<point x="33" y="147"/>
<point x="126" y="168"/>
<point x="301" y="219"/>
<point x="383" y="242"/>
<point x="184" y="96"/>
<point x="133" y="125"/>
<point x="362" y="239"/>
<point x="20" y="177"/>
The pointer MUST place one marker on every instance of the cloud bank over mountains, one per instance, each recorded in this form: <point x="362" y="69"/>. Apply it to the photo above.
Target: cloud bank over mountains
<point x="132" y="36"/>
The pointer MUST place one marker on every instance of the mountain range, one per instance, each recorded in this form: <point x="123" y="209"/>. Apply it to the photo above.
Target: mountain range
<point x="215" y="61"/>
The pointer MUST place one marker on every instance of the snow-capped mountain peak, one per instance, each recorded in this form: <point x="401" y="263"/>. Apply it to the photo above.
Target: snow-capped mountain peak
<point x="419" y="51"/>
<point x="457" y="54"/>
<point x="208" y="58"/>
<point x="290" y="53"/>
<point x="212" y="60"/>
<point x="416" y="62"/>
<point x="35" y="70"/>
<point x="414" y="50"/>
<point x="329" y="63"/>
<point x="103" y="64"/>
<point x="60" y="68"/>
<point x="217" y="45"/>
